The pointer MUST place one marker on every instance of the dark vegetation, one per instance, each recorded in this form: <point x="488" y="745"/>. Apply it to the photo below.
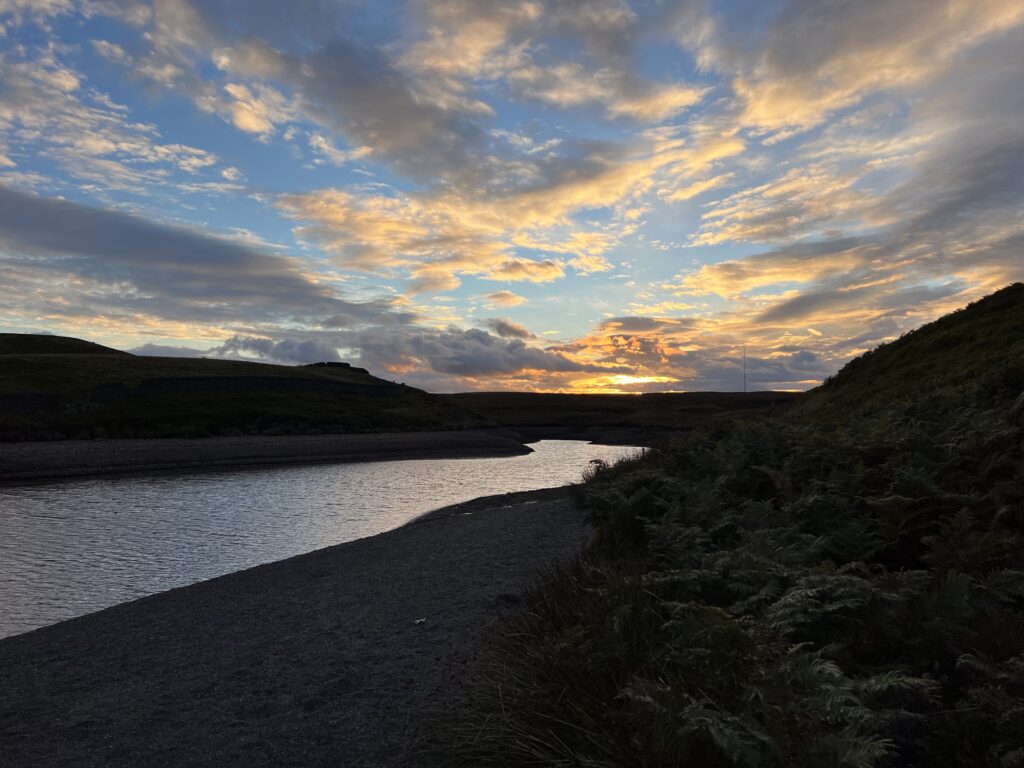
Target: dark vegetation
<point x="949" y="360"/>
<point x="841" y="586"/>
<point x="94" y="393"/>
<point x="656" y="410"/>
<point x="44" y="344"/>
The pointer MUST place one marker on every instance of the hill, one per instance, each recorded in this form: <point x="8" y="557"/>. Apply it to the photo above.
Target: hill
<point x="54" y="387"/>
<point x="980" y="342"/>
<point x="44" y="344"/>
<point x="842" y="584"/>
<point x="54" y="395"/>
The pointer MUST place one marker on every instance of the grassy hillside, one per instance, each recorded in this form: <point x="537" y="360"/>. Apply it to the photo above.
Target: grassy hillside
<point x="43" y="344"/>
<point x="54" y="395"/>
<point x="944" y="359"/>
<point x="683" y="410"/>
<point x="791" y="591"/>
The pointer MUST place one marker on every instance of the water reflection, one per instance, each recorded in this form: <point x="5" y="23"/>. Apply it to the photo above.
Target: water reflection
<point x="71" y="548"/>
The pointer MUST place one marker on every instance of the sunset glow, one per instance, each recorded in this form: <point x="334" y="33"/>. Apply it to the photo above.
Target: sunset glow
<point x="549" y="195"/>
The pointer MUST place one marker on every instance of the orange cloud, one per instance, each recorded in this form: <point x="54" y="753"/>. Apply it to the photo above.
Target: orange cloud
<point x="504" y="299"/>
<point x="791" y="84"/>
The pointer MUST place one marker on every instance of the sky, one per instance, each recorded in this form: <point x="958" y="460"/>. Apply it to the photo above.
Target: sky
<point x="557" y="195"/>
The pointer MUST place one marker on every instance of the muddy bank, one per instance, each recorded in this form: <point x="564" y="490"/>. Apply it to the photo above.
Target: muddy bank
<point x="325" y="659"/>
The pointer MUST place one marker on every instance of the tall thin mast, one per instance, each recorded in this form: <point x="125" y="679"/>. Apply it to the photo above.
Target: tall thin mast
<point x="744" y="368"/>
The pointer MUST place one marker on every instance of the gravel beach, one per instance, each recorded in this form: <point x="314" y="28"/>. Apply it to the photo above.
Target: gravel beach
<point x="326" y="659"/>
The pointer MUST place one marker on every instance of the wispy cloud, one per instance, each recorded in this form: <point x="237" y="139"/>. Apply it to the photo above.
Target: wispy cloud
<point x="162" y="270"/>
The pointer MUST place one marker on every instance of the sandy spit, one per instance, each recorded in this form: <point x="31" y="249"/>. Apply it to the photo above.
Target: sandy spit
<point x="76" y="458"/>
<point x="326" y="659"/>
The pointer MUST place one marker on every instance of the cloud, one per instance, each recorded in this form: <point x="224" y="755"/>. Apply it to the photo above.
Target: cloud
<point x="46" y="111"/>
<point x="468" y="38"/>
<point x="172" y="271"/>
<point x="888" y="217"/>
<point x="508" y="329"/>
<point x="626" y="324"/>
<point x="588" y="264"/>
<point x="525" y="269"/>
<point x="304" y="70"/>
<point x="811" y="59"/>
<point x="660" y="307"/>
<point x="806" y="201"/>
<point x="489" y="207"/>
<point x="438" y="234"/>
<point x="699" y="353"/>
<point x="830" y="302"/>
<point x="258" y="109"/>
<point x="569" y="84"/>
<point x="287" y="350"/>
<point x="327" y="152"/>
<point x="39" y="10"/>
<point x="435" y="237"/>
<point x="421" y="104"/>
<point x="504" y="299"/>
<point x="358" y="92"/>
<point x="797" y="369"/>
<point x="800" y="263"/>
<point x="692" y="190"/>
<point x="468" y="355"/>
<point x="163" y="350"/>
<point x="945" y="220"/>
<point x="111" y="51"/>
<point x="467" y="41"/>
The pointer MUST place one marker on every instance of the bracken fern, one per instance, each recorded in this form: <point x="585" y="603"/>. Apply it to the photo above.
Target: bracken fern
<point x="783" y="592"/>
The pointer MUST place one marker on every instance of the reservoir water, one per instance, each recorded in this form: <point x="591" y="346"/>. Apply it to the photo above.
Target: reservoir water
<point x="73" y="547"/>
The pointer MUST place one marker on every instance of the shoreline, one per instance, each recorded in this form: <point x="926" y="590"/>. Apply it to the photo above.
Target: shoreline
<point x="68" y="459"/>
<point x="31" y="461"/>
<point x="326" y="658"/>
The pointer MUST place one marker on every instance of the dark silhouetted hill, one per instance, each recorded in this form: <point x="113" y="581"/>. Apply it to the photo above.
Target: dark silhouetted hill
<point x="52" y="392"/>
<point x="44" y="344"/>
<point x="982" y="342"/>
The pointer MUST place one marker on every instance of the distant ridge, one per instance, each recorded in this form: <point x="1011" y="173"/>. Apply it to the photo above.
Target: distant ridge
<point x="44" y="344"/>
<point x="961" y="350"/>
<point x="55" y="387"/>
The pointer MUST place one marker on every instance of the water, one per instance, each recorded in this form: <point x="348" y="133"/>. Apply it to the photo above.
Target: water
<point x="70" y="548"/>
